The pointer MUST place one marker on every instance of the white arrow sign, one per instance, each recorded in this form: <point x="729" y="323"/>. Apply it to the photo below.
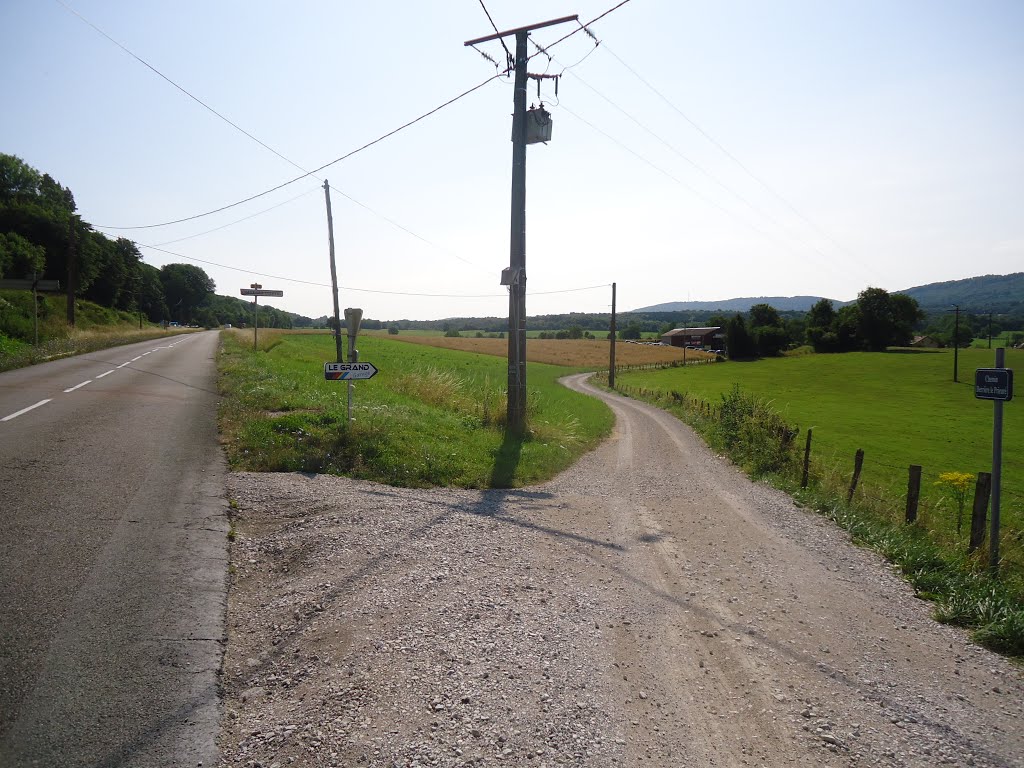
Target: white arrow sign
<point x="349" y="371"/>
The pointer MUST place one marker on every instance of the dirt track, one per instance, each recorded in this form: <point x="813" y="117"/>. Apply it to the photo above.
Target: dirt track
<point x="650" y="606"/>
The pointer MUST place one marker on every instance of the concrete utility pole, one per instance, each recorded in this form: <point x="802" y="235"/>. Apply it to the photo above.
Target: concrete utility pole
<point x="334" y="275"/>
<point x="515" y="276"/>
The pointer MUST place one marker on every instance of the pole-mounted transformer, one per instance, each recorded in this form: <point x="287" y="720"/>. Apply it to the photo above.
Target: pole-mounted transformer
<point x="538" y="125"/>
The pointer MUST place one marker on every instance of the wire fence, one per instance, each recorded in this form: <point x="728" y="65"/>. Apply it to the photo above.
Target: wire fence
<point x="941" y="504"/>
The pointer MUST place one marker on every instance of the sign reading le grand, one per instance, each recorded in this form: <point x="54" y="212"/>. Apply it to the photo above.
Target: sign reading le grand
<point x="993" y="383"/>
<point x="349" y="371"/>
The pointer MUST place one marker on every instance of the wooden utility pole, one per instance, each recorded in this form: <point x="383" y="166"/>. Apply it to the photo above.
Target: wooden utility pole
<point x="611" y="342"/>
<point x="515" y="276"/>
<point x="334" y="275"/>
<point x="956" y="343"/>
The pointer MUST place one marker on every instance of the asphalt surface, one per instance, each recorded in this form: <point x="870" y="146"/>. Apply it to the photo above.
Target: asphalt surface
<point x="113" y="534"/>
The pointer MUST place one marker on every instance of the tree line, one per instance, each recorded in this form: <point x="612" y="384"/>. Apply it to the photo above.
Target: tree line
<point x="42" y="234"/>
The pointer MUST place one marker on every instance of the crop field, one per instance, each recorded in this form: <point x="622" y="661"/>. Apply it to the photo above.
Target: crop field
<point x="430" y="417"/>
<point x="591" y="354"/>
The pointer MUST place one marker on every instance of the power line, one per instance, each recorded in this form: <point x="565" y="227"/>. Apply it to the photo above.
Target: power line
<point x="729" y="154"/>
<point x="408" y="231"/>
<point x="508" y="53"/>
<point x="583" y="27"/>
<point x="369" y="144"/>
<point x="239" y="221"/>
<point x="359" y="290"/>
<point x="258" y="141"/>
<point x="677" y="180"/>
<point x="180" y="88"/>
<point x="693" y="163"/>
<point x="315" y="171"/>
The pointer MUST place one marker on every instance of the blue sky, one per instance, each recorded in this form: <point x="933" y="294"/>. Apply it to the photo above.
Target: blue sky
<point x="878" y="144"/>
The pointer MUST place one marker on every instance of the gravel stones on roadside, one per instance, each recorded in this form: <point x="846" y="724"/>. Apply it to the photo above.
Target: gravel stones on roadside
<point x="406" y="635"/>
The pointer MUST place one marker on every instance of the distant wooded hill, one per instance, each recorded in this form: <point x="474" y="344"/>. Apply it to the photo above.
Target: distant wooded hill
<point x="1001" y="294"/>
<point x="781" y="303"/>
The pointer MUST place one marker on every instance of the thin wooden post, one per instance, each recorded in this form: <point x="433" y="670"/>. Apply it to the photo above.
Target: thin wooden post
<point x="858" y="463"/>
<point x="611" y="344"/>
<point x="807" y="460"/>
<point x="982" y="489"/>
<point x="913" y="492"/>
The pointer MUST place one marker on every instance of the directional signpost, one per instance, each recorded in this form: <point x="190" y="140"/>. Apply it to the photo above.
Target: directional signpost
<point x="995" y="384"/>
<point x="349" y="371"/>
<point x="256" y="290"/>
<point x="353" y="370"/>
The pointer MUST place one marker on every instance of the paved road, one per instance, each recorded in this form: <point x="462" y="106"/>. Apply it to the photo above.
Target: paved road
<point x="112" y="558"/>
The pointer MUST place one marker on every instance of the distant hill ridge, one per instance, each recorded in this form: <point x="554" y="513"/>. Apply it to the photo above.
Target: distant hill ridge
<point x="781" y="303"/>
<point x="986" y="293"/>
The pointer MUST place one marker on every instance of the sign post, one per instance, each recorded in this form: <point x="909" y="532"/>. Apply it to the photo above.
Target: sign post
<point x="995" y="384"/>
<point x="349" y="371"/>
<point x="256" y="290"/>
<point x="353" y="317"/>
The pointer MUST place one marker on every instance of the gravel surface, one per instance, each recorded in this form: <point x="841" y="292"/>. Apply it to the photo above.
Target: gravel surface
<point x="650" y="606"/>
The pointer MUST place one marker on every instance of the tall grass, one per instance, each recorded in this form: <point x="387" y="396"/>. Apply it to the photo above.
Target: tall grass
<point x="430" y="417"/>
<point x="95" y="328"/>
<point x="76" y="342"/>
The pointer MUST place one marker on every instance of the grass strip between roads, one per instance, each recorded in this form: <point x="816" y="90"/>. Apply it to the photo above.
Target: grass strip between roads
<point x="429" y="417"/>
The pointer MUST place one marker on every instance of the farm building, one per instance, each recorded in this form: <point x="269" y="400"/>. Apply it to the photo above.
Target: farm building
<point x="705" y="338"/>
<point x="926" y="342"/>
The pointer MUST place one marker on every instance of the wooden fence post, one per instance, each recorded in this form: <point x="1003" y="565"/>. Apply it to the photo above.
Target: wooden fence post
<point x="913" y="492"/>
<point x="982" y="489"/>
<point x="858" y="463"/>
<point x="807" y="460"/>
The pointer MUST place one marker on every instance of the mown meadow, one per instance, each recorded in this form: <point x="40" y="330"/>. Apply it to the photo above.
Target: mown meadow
<point x="901" y="408"/>
<point x="432" y="416"/>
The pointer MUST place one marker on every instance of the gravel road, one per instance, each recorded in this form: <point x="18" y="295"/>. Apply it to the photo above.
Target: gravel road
<point x="650" y="606"/>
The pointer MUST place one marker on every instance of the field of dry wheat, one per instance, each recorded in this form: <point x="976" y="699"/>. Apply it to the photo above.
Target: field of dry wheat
<point x="574" y="353"/>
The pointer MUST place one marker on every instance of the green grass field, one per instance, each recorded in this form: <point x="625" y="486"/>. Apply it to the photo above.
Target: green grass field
<point x="901" y="408"/>
<point x="1002" y="340"/>
<point x="430" y="417"/>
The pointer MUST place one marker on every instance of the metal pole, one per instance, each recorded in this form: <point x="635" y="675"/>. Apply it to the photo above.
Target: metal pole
<point x="611" y="340"/>
<point x="35" y="309"/>
<point x="353" y="357"/>
<point x="334" y="275"/>
<point x="517" y="248"/>
<point x="997" y="472"/>
<point x="256" y="320"/>
<point x="956" y="345"/>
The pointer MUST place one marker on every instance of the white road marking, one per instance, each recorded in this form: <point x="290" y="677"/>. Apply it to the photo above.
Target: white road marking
<point x="72" y="389"/>
<point x="122" y="365"/>
<point x="105" y="373"/>
<point x="16" y="414"/>
<point x="135" y="358"/>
